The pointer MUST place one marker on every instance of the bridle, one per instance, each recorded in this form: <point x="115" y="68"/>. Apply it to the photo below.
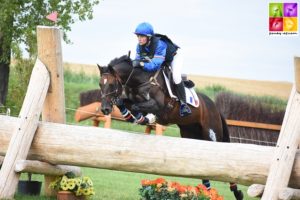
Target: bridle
<point x="113" y="96"/>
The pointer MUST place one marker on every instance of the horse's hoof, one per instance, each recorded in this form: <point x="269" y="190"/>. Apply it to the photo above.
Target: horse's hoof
<point x="239" y="195"/>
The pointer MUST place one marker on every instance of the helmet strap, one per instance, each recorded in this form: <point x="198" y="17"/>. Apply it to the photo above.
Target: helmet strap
<point x="148" y="40"/>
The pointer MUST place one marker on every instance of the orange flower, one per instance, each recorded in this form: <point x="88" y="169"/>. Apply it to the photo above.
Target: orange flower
<point x="213" y="194"/>
<point x="173" y="184"/>
<point x="181" y="189"/>
<point x="193" y="189"/>
<point x="201" y="187"/>
<point x="147" y="182"/>
<point x="159" y="180"/>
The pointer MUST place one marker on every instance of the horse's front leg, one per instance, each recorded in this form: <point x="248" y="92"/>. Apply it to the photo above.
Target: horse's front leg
<point x="149" y="106"/>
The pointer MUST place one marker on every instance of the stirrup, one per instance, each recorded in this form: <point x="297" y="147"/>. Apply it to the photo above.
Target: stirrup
<point x="185" y="110"/>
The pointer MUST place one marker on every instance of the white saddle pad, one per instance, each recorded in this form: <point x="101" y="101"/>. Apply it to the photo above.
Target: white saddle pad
<point x="191" y="96"/>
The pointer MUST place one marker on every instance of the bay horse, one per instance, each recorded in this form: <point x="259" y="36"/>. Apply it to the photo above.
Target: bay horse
<point x="146" y="92"/>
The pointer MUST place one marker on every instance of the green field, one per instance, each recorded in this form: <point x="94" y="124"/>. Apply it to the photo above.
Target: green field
<point x="109" y="185"/>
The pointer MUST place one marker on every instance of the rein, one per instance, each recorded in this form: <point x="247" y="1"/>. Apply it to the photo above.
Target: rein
<point x="152" y="80"/>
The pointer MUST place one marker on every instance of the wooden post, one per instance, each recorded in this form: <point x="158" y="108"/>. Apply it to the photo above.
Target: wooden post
<point x="106" y="119"/>
<point x="285" y="151"/>
<point x="96" y="122"/>
<point x="256" y="190"/>
<point x="148" y="129"/>
<point x="297" y="73"/>
<point x="38" y="167"/>
<point x="50" y="53"/>
<point x="24" y="131"/>
<point x="159" y="129"/>
<point x="289" y="194"/>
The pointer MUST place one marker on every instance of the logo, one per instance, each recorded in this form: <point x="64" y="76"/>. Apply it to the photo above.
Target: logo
<point x="283" y="19"/>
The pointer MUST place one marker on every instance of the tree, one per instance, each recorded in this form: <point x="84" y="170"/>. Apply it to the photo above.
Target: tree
<point x="18" y="21"/>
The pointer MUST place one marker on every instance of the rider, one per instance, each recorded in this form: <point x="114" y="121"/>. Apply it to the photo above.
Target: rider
<point x="152" y="52"/>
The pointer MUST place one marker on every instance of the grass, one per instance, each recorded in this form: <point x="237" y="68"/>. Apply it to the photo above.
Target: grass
<point x="115" y="185"/>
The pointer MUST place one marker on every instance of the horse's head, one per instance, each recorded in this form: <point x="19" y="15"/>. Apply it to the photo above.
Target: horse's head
<point x="111" y="88"/>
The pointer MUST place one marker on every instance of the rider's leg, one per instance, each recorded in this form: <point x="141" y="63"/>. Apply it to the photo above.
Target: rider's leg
<point x="180" y="90"/>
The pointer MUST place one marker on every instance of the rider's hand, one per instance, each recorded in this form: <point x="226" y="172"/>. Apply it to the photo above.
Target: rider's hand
<point x="137" y="64"/>
<point x="146" y="59"/>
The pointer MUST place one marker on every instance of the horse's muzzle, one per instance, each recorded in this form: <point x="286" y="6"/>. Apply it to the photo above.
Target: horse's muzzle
<point x="106" y="111"/>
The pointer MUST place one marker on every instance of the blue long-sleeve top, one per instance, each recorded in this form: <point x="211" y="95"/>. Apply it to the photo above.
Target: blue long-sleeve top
<point x="158" y="58"/>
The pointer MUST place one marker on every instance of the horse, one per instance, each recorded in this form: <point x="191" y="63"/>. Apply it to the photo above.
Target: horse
<point x="147" y="92"/>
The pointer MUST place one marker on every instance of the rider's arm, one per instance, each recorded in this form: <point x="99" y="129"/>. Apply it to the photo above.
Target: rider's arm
<point x="158" y="58"/>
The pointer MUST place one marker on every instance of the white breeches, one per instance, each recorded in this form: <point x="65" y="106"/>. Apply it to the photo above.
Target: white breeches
<point x="176" y="66"/>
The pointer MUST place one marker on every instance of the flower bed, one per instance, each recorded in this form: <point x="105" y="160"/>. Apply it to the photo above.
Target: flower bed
<point x="160" y="189"/>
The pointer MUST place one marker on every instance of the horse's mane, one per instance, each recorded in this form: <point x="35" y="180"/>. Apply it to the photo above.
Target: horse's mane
<point x="119" y="60"/>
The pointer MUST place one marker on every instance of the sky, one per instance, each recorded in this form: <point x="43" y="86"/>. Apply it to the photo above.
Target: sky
<point x="218" y="38"/>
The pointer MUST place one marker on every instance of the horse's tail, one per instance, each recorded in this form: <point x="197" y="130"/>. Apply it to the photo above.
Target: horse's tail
<point x="226" y="137"/>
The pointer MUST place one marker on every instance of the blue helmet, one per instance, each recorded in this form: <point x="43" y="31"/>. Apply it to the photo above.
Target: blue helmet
<point x="144" y="29"/>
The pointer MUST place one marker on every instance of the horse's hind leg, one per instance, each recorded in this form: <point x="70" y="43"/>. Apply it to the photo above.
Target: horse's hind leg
<point x="233" y="186"/>
<point x="194" y="131"/>
<point x="237" y="193"/>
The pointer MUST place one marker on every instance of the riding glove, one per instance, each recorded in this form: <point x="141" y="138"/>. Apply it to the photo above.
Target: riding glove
<point x="137" y="64"/>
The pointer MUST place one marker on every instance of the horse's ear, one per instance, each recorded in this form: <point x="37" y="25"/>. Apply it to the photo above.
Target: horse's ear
<point x="100" y="68"/>
<point x="128" y="55"/>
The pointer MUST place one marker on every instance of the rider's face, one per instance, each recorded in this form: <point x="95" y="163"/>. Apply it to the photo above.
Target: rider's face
<point x="142" y="39"/>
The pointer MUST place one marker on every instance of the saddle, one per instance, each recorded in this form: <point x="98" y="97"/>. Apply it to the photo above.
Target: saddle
<point x="191" y="96"/>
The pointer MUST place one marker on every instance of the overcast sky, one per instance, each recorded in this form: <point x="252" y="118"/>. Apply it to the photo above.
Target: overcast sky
<point x="219" y="38"/>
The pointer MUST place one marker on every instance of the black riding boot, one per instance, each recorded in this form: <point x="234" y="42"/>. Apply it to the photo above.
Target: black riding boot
<point x="184" y="108"/>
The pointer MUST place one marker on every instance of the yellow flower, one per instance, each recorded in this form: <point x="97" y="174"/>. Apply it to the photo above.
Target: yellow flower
<point x="78" y="181"/>
<point x="90" y="183"/>
<point x="64" y="180"/>
<point x="71" y="183"/>
<point x="64" y="186"/>
<point x="86" y="179"/>
<point x="79" y="192"/>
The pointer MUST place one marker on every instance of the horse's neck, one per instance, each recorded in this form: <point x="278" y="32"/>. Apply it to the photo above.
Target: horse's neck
<point x="124" y="72"/>
<point x="138" y="77"/>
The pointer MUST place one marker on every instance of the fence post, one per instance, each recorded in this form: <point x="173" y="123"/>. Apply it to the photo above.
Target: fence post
<point x="50" y="53"/>
<point x="24" y="131"/>
<point x="287" y="144"/>
<point x="297" y="73"/>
